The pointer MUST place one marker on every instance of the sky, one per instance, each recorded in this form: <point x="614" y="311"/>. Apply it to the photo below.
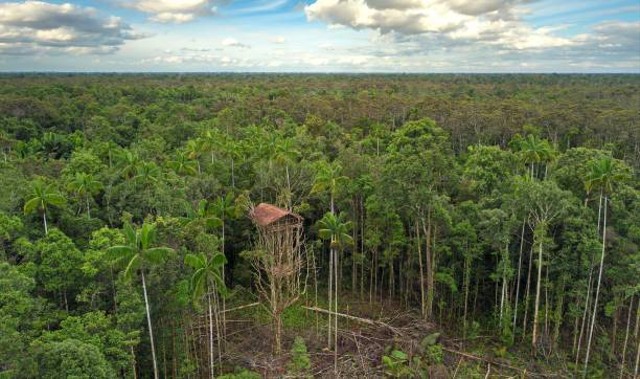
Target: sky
<point x="403" y="36"/>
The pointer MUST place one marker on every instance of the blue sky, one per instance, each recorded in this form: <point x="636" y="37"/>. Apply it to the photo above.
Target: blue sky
<point x="321" y="35"/>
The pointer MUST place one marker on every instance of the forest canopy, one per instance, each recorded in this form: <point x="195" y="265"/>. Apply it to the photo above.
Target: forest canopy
<point x="492" y="216"/>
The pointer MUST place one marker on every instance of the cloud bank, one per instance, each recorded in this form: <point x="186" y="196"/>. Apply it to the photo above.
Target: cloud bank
<point x="173" y="11"/>
<point x="35" y="27"/>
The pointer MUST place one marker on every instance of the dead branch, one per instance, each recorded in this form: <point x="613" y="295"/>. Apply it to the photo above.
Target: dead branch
<point x="241" y="307"/>
<point x="350" y="317"/>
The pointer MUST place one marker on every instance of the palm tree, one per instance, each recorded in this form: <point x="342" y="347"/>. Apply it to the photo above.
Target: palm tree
<point x="137" y="254"/>
<point x="84" y="185"/>
<point x="202" y="212"/>
<point x="207" y="279"/>
<point x="534" y="150"/>
<point x="285" y="154"/>
<point x="129" y="163"/>
<point x="193" y="149"/>
<point x="147" y="172"/>
<point x="183" y="165"/>
<point x="221" y="209"/>
<point x="602" y="175"/>
<point x="329" y="178"/>
<point x="43" y="196"/>
<point x="334" y="229"/>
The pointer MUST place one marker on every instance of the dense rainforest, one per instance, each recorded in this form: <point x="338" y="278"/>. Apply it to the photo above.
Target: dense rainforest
<point x="447" y="226"/>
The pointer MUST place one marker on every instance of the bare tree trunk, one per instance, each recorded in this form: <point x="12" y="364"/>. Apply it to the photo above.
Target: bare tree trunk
<point x="526" y="296"/>
<point x="330" y="334"/>
<point x="44" y="217"/>
<point x="595" y="302"/>
<point x="515" y="309"/>
<point x="335" y="318"/>
<point x="211" y="368"/>
<point x="534" y="335"/>
<point x="626" y="338"/>
<point x="421" y="266"/>
<point x="585" y="315"/>
<point x="153" y="348"/>
<point x="133" y="362"/>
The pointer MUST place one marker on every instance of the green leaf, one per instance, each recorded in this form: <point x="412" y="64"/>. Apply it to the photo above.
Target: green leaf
<point x="133" y="265"/>
<point x="156" y="255"/>
<point x="399" y="355"/>
<point x="32" y="205"/>
<point x="194" y="261"/>
<point x="119" y="252"/>
<point x="218" y="260"/>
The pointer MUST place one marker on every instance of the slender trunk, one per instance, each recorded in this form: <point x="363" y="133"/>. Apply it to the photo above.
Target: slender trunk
<point x="526" y="295"/>
<point x="330" y="334"/>
<point x="153" y="348"/>
<point x="286" y="168"/>
<point x="585" y="315"/>
<point x="421" y="266"/>
<point x="88" y="208"/>
<point x="133" y="362"/>
<point x="503" y="296"/>
<point x="233" y="178"/>
<point x="515" y="309"/>
<point x="466" y="282"/>
<point x="211" y="366"/>
<point x="635" y="370"/>
<point x="371" y="279"/>
<point x="354" y="268"/>
<point x="216" y="312"/>
<point x="546" y="301"/>
<point x="223" y="337"/>
<point x="595" y="301"/>
<point x="362" y="247"/>
<point x="626" y="338"/>
<point x="335" y="317"/>
<point x="44" y="218"/>
<point x="430" y="268"/>
<point x="534" y="336"/>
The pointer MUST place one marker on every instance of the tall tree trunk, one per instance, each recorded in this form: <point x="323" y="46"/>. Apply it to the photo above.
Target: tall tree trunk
<point x="515" y="308"/>
<point x="335" y="317"/>
<point x="133" y="362"/>
<point x="354" y="267"/>
<point x="421" y="266"/>
<point x="222" y="337"/>
<point x="595" y="301"/>
<point x="526" y="295"/>
<point x="211" y="366"/>
<point x="586" y="315"/>
<point x="329" y="329"/>
<point x="466" y="282"/>
<point x="153" y="347"/>
<point x="626" y="338"/>
<point x="635" y="370"/>
<point x="429" y="263"/>
<point x="44" y="218"/>
<point x="534" y="335"/>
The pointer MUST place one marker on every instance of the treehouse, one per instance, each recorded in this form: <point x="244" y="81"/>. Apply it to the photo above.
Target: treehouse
<point x="271" y="218"/>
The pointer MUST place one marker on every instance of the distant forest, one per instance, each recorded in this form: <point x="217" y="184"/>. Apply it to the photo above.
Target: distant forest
<point x="450" y="225"/>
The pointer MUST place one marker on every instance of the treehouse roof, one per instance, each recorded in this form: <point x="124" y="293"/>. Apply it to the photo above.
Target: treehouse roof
<point x="266" y="214"/>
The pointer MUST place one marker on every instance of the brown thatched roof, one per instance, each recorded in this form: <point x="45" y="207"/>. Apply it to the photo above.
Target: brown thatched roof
<point x="265" y="214"/>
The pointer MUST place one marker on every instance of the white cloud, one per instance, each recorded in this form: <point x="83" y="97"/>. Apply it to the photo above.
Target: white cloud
<point x="173" y="11"/>
<point x="278" y="40"/>
<point x="38" y="27"/>
<point x="495" y="22"/>
<point x="232" y="42"/>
